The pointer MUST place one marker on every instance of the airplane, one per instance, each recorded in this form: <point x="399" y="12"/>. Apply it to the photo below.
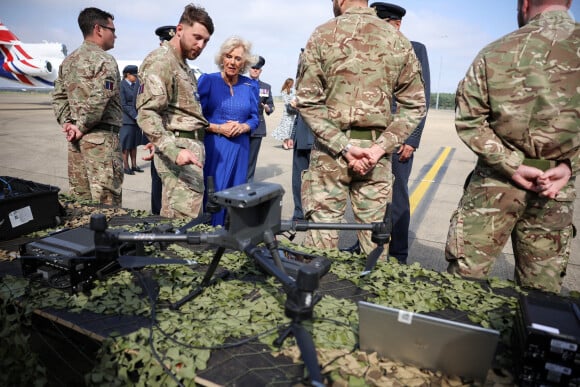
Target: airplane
<point x="36" y="64"/>
<point x="31" y="64"/>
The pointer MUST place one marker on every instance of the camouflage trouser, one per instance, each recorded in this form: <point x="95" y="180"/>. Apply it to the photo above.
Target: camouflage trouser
<point x="95" y="168"/>
<point x="182" y="192"/>
<point x="491" y="210"/>
<point x="326" y="185"/>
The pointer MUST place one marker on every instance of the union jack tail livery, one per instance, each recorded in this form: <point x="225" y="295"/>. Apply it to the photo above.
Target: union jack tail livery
<point x="32" y="65"/>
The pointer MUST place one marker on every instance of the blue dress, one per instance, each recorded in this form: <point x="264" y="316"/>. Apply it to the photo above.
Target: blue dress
<point x="226" y="159"/>
<point x="130" y="134"/>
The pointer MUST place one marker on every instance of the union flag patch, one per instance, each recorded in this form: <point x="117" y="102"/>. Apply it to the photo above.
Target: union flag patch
<point x="109" y="85"/>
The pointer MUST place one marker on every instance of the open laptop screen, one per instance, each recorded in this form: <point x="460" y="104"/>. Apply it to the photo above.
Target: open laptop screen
<point x="424" y="341"/>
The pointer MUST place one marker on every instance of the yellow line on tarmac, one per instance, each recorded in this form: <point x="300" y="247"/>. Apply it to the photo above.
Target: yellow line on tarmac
<point x="429" y="178"/>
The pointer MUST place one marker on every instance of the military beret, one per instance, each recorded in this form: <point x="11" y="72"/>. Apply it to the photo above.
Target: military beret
<point x="131" y="69"/>
<point x="389" y="11"/>
<point x="165" y="32"/>
<point x="261" y="62"/>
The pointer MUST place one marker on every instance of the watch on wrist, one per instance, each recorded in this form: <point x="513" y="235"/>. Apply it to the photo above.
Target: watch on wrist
<point x="346" y="149"/>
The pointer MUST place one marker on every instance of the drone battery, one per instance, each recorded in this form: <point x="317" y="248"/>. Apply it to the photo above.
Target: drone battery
<point x="253" y="209"/>
<point x="248" y="195"/>
<point x="26" y="206"/>
<point x="547" y="336"/>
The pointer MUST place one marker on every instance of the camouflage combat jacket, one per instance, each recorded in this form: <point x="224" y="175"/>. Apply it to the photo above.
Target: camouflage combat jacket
<point x="350" y="69"/>
<point x="168" y="99"/>
<point x="520" y="97"/>
<point x="86" y="91"/>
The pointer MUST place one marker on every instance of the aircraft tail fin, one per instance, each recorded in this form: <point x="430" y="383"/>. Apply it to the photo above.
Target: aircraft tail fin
<point x="6" y="36"/>
<point x="18" y="65"/>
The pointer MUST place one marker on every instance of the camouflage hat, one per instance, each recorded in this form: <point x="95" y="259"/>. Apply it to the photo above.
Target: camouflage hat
<point x="389" y="11"/>
<point x="165" y="32"/>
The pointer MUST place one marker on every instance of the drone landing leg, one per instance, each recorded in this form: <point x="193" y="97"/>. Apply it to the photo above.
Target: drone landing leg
<point x="206" y="281"/>
<point x="272" y="245"/>
<point x="283" y="336"/>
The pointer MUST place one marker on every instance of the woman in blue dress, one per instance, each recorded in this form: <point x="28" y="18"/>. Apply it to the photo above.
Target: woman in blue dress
<point x="230" y="103"/>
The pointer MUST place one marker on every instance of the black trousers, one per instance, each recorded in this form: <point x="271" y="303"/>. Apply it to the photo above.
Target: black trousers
<point x="300" y="162"/>
<point x="155" y="190"/>
<point x="401" y="214"/>
<point x="255" y="143"/>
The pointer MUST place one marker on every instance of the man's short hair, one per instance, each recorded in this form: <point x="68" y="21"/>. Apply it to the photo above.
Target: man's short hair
<point x="91" y="16"/>
<point x="193" y="13"/>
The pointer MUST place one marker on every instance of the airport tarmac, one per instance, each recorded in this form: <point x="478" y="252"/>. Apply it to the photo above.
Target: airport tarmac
<point x="33" y="148"/>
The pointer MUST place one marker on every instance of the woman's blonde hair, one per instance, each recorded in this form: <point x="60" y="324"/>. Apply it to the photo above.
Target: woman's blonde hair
<point x="232" y="43"/>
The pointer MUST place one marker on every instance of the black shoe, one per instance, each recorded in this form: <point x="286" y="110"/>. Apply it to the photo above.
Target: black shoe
<point x="453" y="267"/>
<point x="354" y="249"/>
<point x="128" y="171"/>
<point x="137" y="169"/>
<point x="401" y="260"/>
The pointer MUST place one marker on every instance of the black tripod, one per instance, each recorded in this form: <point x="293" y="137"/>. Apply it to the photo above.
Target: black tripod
<point x="301" y="298"/>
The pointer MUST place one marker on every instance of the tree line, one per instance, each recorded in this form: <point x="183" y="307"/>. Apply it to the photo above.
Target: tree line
<point x="446" y="101"/>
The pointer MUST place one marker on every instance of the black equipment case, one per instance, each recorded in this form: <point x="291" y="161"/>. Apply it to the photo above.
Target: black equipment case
<point x="546" y="340"/>
<point x="26" y="206"/>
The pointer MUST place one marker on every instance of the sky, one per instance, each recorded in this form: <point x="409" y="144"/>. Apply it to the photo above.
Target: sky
<point x="452" y="30"/>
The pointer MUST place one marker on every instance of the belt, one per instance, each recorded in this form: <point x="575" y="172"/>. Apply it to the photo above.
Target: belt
<point x="191" y="134"/>
<point x="359" y="133"/>
<point x="544" y="165"/>
<point x="107" y="128"/>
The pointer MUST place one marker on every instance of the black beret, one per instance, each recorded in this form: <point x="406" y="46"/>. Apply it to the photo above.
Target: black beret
<point x="165" y="32"/>
<point x="261" y="62"/>
<point x="389" y="11"/>
<point x="131" y="69"/>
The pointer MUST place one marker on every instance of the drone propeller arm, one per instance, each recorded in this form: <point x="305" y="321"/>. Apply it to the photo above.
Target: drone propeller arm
<point x="216" y="238"/>
<point x="148" y="237"/>
<point x="302" y="225"/>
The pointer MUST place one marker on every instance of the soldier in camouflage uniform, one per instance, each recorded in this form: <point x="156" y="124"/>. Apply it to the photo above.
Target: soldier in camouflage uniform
<point x="87" y="103"/>
<point x="518" y="110"/>
<point x="353" y="65"/>
<point x="170" y="114"/>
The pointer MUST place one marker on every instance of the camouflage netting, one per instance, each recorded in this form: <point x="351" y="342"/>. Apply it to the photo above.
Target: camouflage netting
<point x="225" y="335"/>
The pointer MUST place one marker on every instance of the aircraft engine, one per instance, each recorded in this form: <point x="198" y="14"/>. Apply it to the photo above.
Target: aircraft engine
<point x="30" y="67"/>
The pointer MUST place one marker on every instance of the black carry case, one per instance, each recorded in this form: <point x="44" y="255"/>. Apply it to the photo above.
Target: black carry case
<point x="26" y="206"/>
<point x="546" y="340"/>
